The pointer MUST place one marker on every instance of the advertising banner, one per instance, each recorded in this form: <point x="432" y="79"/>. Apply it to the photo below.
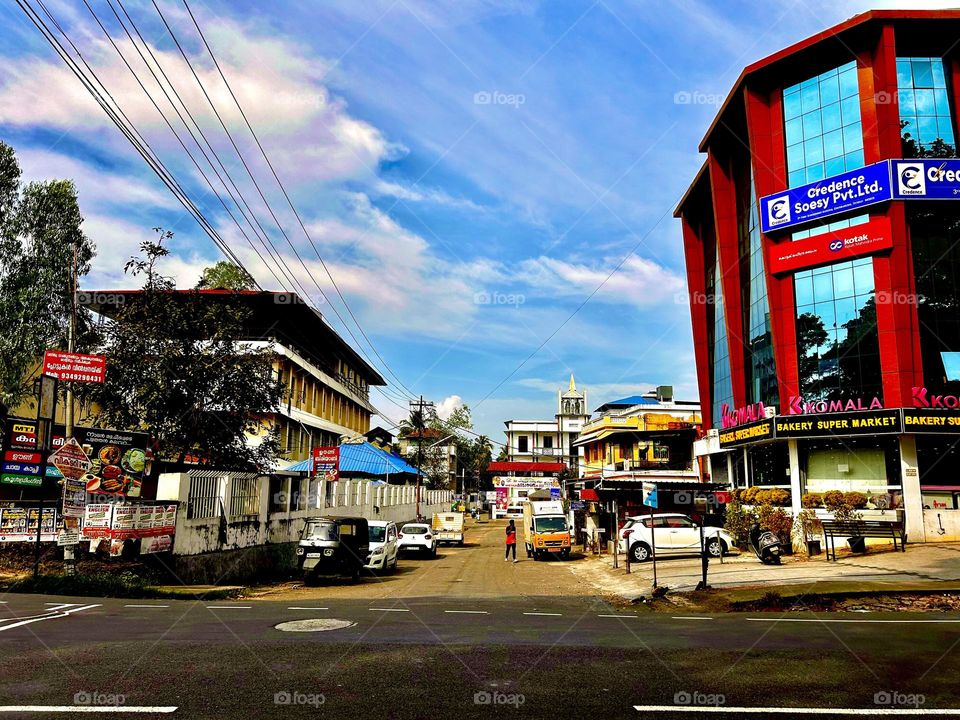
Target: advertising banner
<point x="830" y="247"/>
<point x="326" y="462"/>
<point x="74" y="367"/>
<point x="852" y="190"/>
<point x="160" y="543"/>
<point x="72" y="463"/>
<point x="873" y="422"/>
<point x="128" y="522"/>
<point x="18" y="524"/>
<point x="118" y="460"/>
<point x="96" y="520"/>
<point x="929" y="179"/>
<point x="508" y="481"/>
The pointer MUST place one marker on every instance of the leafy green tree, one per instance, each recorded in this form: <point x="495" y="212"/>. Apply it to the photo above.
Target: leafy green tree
<point x="225" y="276"/>
<point x="176" y="368"/>
<point x="40" y="238"/>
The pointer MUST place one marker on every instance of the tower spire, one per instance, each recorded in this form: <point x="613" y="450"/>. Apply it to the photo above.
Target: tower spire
<point x="573" y="385"/>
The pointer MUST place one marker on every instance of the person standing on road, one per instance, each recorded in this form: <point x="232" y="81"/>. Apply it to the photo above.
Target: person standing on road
<point x="511" y="542"/>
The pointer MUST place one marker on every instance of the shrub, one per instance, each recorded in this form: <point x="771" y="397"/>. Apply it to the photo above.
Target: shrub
<point x="855" y="499"/>
<point x="749" y="495"/>
<point x="738" y="521"/>
<point x="779" y="496"/>
<point x="777" y="521"/>
<point x="833" y="500"/>
<point x="812" y="500"/>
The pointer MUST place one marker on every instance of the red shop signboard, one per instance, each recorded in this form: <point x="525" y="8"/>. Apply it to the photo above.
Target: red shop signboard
<point x="830" y="247"/>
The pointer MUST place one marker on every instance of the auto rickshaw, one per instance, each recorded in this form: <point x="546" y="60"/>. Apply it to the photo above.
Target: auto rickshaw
<point x="333" y="547"/>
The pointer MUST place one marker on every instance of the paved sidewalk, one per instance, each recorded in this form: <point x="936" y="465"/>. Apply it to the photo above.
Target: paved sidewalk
<point x="920" y="564"/>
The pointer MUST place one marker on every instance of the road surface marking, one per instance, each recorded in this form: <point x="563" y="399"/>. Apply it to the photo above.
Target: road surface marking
<point x="827" y="620"/>
<point x="87" y="709"/>
<point x="60" y="606"/>
<point x="41" y="618"/>
<point x="793" y="710"/>
<point x="307" y="608"/>
<point x="388" y="609"/>
<point x="147" y="606"/>
<point x="690" y="617"/>
<point x="540" y="613"/>
<point x="619" y="616"/>
<point x="467" y="612"/>
<point x="229" y="607"/>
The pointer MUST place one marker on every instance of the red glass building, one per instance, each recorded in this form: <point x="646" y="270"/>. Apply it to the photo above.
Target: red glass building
<point x="822" y="247"/>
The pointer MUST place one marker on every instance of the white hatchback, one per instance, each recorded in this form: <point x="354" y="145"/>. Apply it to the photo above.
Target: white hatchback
<point x="419" y="537"/>
<point x="384" y="548"/>
<point x="673" y="534"/>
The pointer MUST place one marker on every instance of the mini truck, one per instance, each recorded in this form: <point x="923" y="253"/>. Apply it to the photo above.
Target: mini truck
<point x="448" y="527"/>
<point x="545" y="529"/>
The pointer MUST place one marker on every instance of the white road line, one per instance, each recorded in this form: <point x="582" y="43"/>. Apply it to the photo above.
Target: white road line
<point x="166" y="709"/>
<point x="61" y="604"/>
<point x="547" y="614"/>
<point x="793" y="710"/>
<point x="47" y="617"/>
<point x="689" y="617"/>
<point x="147" y="606"/>
<point x="229" y="607"/>
<point x="828" y="620"/>
<point x="467" y="612"/>
<point x="619" y="616"/>
<point x="388" y="609"/>
<point x="307" y="608"/>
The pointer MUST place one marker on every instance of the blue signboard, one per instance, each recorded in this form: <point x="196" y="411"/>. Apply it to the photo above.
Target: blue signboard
<point x="650" y="494"/>
<point x="21" y="468"/>
<point x="841" y="193"/>
<point x="932" y="179"/>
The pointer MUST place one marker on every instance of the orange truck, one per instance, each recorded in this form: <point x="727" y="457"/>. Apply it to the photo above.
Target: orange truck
<point x="545" y="529"/>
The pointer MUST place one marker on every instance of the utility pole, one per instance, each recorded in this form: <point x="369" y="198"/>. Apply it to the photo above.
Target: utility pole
<point x="69" y="559"/>
<point x="419" y="423"/>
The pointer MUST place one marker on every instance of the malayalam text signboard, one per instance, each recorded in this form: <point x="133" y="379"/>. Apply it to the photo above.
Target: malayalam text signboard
<point x="848" y="191"/>
<point x="74" y="367"/>
<point x="830" y="247"/>
<point x="326" y="462"/>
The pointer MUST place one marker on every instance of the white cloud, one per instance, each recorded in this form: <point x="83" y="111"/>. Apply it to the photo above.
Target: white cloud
<point x="446" y="406"/>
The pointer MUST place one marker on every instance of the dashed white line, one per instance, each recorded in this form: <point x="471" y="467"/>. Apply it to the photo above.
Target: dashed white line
<point x="155" y="709"/>
<point x="307" y="608"/>
<point x="146" y="606"/>
<point x="690" y="617"/>
<point x="619" y="616"/>
<point x="229" y="607"/>
<point x="829" y="620"/>
<point x="467" y="612"/>
<point x="545" y="614"/>
<point x="388" y="609"/>
<point x="899" y="712"/>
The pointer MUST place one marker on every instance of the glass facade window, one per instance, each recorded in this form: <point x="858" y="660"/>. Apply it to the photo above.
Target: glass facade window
<point x="838" y="349"/>
<point x="924" y="106"/>
<point x="759" y="362"/>
<point x="720" y="381"/>
<point x="822" y="123"/>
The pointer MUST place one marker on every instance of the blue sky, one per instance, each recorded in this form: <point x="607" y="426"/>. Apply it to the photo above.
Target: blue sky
<point x="471" y="172"/>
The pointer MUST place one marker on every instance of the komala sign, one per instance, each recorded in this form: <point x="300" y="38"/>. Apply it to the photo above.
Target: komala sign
<point x="798" y="406"/>
<point x="922" y="398"/>
<point x="739" y="416"/>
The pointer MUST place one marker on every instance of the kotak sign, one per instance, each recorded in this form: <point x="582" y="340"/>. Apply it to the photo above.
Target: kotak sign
<point x="74" y="367"/>
<point x="831" y="247"/>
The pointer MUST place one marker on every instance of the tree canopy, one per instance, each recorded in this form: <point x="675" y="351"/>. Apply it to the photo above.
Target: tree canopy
<point x="224" y="275"/>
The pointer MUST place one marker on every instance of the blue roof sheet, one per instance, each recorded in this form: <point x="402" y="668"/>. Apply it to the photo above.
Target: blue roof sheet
<point x="364" y="459"/>
<point x="633" y="400"/>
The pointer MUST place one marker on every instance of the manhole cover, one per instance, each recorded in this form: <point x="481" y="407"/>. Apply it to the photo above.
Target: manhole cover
<point x="314" y="625"/>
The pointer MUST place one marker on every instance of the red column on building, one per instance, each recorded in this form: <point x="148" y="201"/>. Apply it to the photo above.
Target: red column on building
<point x="693" y="249"/>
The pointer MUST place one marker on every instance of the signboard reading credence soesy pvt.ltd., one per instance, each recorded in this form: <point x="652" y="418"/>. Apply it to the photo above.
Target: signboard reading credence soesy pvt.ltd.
<point x="845" y="192"/>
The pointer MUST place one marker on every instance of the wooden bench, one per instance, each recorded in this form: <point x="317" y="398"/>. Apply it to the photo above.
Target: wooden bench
<point x="833" y="529"/>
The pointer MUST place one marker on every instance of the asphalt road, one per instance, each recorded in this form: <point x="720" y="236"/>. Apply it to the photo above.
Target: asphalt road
<point x="551" y="655"/>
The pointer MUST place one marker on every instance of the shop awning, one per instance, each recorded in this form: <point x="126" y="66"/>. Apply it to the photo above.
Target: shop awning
<point x="589" y="494"/>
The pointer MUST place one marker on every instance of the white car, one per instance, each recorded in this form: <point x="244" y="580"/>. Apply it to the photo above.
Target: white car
<point x="384" y="548"/>
<point x="673" y="533"/>
<point x="419" y="537"/>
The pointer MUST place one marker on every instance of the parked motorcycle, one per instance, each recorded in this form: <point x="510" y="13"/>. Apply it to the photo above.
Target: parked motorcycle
<point x="766" y="545"/>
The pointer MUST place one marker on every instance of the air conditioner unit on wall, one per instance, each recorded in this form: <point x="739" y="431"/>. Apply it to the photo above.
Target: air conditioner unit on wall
<point x="713" y="433"/>
<point x="769" y="412"/>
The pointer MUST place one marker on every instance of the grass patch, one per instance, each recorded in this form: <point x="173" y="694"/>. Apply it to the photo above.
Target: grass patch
<point x="105" y="584"/>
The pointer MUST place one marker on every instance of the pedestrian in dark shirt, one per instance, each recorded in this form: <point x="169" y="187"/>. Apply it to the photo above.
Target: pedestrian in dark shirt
<point x="511" y="542"/>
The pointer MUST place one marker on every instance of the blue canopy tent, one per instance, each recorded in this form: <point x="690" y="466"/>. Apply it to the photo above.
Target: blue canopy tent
<point x="362" y="460"/>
